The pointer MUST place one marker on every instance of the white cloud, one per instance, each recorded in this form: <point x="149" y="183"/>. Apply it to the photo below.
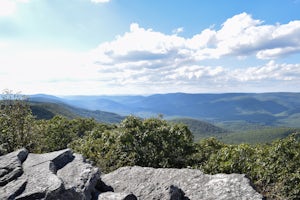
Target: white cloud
<point x="270" y="71"/>
<point x="240" y="36"/>
<point x="43" y="71"/>
<point x="178" y="30"/>
<point x="143" y="57"/>
<point x="148" y="61"/>
<point x="100" y="1"/>
<point x="9" y="7"/>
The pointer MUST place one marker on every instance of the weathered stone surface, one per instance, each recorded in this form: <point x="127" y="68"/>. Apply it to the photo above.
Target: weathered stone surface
<point x="56" y="175"/>
<point x="116" y="196"/>
<point x="150" y="183"/>
<point x="79" y="177"/>
<point x="62" y="175"/>
<point x="38" y="171"/>
<point x="12" y="189"/>
<point x="10" y="171"/>
<point x="11" y="166"/>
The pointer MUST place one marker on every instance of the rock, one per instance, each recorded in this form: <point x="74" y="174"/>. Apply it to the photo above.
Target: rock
<point x="63" y="175"/>
<point x="179" y="184"/>
<point x="56" y="175"/>
<point x="11" y="166"/>
<point x="79" y="177"/>
<point x="10" y="171"/>
<point x="176" y="193"/>
<point x="116" y="196"/>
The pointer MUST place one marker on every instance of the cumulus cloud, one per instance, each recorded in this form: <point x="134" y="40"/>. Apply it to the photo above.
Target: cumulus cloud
<point x="148" y="61"/>
<point x="143" y="57"/>
<point x="240" y="35"/>
<point x="269" y="71"/>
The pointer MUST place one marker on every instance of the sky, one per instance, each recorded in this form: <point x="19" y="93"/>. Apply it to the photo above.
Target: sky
<point x="118" y="47"/>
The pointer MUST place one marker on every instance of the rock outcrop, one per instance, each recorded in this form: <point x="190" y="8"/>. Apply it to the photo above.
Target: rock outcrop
<point x="56" y="175"/>
<point x="63" y="175"/>
<point x="180" y="184"/>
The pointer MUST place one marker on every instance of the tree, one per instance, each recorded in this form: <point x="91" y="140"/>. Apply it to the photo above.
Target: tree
<point x="273" y="168"/>
<point x="151" y="142"/>
<point x="56" y="133"/>
<point x="16" y="122"/>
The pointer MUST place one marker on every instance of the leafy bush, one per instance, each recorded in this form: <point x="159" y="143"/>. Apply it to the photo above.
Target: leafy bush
<point x="16" y="123"/>
<point x="151" y="142"/>
<point x="273" y="168"/>
<point x="58" y="132"/>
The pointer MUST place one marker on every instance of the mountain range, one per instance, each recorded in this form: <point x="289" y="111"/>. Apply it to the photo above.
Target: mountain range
<point x="266" y="109"/>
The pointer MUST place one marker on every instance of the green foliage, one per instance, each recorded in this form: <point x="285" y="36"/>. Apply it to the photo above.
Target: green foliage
<point x="151" y="142"/>
<point x="203" y="151"/>
<point x="16" y="122"/>
<point x="274" y="168"/>
<point x="43" y="110"/>
<point x="200" y="129"/>
<point x="99" y="145"/>
<point x="240" y="126"/>
<point x="57" y="133"/>
<point x="260" y="136"/>
<point x="49" y="110"/>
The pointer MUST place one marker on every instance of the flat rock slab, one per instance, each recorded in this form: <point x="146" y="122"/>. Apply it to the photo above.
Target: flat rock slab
<point x="149" y="183"/>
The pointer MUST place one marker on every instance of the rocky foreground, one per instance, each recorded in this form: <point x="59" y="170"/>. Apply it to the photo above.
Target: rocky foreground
<point x="63" y="175"/>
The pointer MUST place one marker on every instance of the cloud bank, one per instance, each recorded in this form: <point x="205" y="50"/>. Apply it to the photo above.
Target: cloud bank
<point x="242" y="55"/>
<point x="151" y="59"/>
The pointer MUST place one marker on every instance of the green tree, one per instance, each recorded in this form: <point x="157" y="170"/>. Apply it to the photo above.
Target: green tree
<point x="100" y="146"/>
<point x="58" y="132"/>
<point x="151" y="142"/>
<point x="16" y="122"/>
<point x="273" y="168"/>
<point x="156" y="143"/>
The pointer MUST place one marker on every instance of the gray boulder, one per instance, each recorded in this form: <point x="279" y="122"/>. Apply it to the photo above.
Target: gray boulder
<point x="180" y="184"/>
<point x="56" y="175"/>
<point x="63" y="175"/>
<point x="10" y="171"/>
<point x="116" y="196"/>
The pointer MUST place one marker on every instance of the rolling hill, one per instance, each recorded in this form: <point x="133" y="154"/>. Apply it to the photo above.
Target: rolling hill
<point x="47" y="110"/>
<point x="231" y="117"/>
<point x="200" y="129"/>
<point x="265" y="109"/>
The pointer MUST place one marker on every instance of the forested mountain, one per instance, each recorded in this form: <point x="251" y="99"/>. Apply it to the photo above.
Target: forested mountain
<point x="272" y="109"/>
<point x="201" y="129"/>
<point x="47" y="110"/>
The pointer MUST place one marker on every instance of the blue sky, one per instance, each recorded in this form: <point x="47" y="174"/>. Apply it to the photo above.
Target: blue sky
<point x="92" y="47"/>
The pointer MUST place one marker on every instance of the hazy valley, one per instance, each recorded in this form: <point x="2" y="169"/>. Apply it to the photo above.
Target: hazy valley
<point x="231" y="117"/>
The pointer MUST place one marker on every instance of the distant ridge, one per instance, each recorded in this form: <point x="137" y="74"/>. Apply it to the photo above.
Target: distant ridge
<point x="200" y="129"/>
<point x="268" y="109"/>
<point x="47" y="110"/>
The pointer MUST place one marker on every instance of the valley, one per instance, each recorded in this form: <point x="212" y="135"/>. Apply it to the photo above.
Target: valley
<point x="230" y="117"/>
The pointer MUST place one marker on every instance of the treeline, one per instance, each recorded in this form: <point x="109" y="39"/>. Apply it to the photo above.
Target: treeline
<point x="273" y="168"/>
